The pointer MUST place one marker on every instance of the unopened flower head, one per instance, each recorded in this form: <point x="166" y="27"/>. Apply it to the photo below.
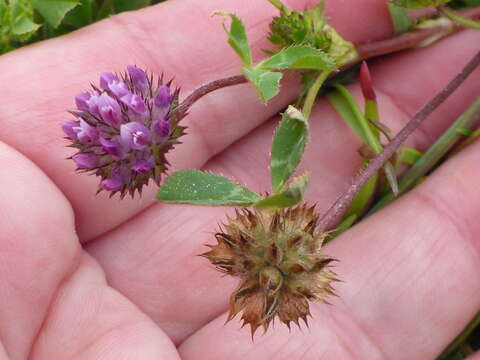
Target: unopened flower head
<point x="123" y="129"/>
<point x="277" y="255"/>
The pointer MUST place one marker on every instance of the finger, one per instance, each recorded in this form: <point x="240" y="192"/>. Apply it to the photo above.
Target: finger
<point x="177" y="38"/>
<point x="152" y="256"/>
<point x="410" y="283"/>
<point x="90" y="320"/>
<point x="475" y="356"/>
<point x="38" y="248"/>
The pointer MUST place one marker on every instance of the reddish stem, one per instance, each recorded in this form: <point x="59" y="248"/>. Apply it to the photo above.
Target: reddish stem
<point x="334" y="215"/>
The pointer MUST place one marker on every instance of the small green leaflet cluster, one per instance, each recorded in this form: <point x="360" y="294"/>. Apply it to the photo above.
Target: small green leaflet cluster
<point x="419" y="4"/>
<point x="200" y="188"/>
<point x="26" y="21"/>
<point x="265" y="75"/>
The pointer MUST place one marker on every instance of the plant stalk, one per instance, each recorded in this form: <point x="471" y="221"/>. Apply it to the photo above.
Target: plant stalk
<point x="334" y="215"/>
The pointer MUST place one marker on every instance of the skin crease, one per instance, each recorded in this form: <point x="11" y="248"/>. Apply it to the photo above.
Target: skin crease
<point x="137" y="289"/>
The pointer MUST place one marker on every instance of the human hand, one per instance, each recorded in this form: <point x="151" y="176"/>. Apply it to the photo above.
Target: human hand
<point x="135" y="287"/>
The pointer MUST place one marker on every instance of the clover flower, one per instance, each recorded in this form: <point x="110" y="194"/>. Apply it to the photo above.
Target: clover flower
<point x="123" y="129"/>
<point x="277" y="255"/>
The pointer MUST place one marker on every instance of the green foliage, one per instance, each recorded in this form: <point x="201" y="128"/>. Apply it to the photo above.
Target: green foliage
<point x="199" y="188"/>
<point x="308" y="27"/>
<point x="460" y="4"/>
<point x="237" y="38"/>
<point x="289" y="197"/>
<point x="288" y="147"/>
<point x="400" y="18"/>
<point x="298" y="57"/>
<point x="26" y="21"/>
<point x="267" y="83"/>
<point x="419" y="4"/>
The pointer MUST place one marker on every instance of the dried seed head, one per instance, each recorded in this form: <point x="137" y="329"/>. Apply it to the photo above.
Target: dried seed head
<point x="123" y="129"/>
<point x="278" y="258"/>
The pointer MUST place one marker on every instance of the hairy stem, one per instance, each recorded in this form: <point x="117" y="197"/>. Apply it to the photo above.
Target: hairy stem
<point x="203" y="90"/>
<point x="434" y="154"/>
<point x="336" y="211"/>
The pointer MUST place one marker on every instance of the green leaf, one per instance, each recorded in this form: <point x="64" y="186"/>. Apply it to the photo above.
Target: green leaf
<point x="298" y="57"/>
<point x="267" y="83"/>
<point x="401" y="20"/>
<point x="81" y="15"/>
<point x="288" y="146"/>
<point x="53" y="11"/>
<point x="23" y="25"/>
<point x="128" y="5"/>
<point x="290" y="197"/>
<point x="418" y="4"/>
<point x="237" y="38"/>
<point x="346" y="106"/>
<point x="199" y="188"/>
<point x="409" y="155"/>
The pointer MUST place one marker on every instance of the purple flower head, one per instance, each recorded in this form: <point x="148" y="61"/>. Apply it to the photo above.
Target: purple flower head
<point x="86" y="161"/>
<point x="122" y="133"/>
<point x="139" y="79"/>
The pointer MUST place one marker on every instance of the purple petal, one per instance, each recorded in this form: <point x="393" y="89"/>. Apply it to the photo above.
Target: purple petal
<point x="92" y="104"/>
<point x="106" y="78"/>
<point x="163" y="98"/>
<point x="109" y="109"/>
<point x="143" y="166"/>
<point x="85" y="132"/>
<point x="69" y="129"/>
<point x="113" y="183"/>
<point x="134" y="102"/>
<point x="135" y="135"/>
<point x="81" y="100"/>
<point x="110" y="81"/>
<point x="162" y="129"/>
<point x="119" y="88"/>
<point x="139" y="79"/>
<point x="86" y="161"/>
<point x="112" y="148"/>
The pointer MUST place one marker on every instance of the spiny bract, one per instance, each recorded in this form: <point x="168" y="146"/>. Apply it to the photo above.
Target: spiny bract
<point x="278" y="258"/>
<point x="123" y="129"/>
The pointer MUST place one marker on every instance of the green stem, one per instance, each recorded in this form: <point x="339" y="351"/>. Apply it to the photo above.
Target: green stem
<point x="434" y="154"/>
<point x="459" y="19"/>
<point x="460" y="338"/>
<point x="280" y="6"/>
<point x="313" y="92"/>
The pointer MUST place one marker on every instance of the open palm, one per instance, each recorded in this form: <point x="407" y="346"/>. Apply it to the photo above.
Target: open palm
<point x="88" y="277"/>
